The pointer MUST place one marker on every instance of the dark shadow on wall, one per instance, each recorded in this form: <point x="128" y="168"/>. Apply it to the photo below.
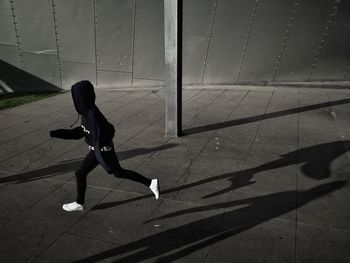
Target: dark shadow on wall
<point x="71" y="165"/>
<point x="188" y="238"/>
<point x="226" y="124"/>
<point x="13" y="79"/>
<point x="315" y="162"/>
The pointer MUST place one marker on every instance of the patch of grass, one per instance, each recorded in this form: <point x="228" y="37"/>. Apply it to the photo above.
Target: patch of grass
<point x="13" y="99"/>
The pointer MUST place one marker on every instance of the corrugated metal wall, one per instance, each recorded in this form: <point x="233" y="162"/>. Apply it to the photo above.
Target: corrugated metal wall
<point x="53" y="43"/>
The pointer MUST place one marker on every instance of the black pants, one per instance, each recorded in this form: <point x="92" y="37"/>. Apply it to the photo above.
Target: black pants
<point x="90" y="162"/>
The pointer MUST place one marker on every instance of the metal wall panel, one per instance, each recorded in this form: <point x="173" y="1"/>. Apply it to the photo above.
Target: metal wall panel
<point x="229" y="35"/>
<point x="11" y="76"/>
<point x="7" y="29"/>
<point x="197" y="18"/>
<point x="213" y="45"/>
<point x="113" y="78"/>
<point x="304" y="39"/>
<point x="77" y="40"/>
<point x="322" y="1"/>
<point x="40" y="57"/>
<point x="10" y="70"/>
<point x="44" y="71"/>
<point x="115" y="27"/>
<point x="335" y="56"/>
<point x="9" y="54"/>
<point x="114" y="41"/>
<point x="148" y="83"/>
<point x="149" y="40"/>
<point x="262" y="51"/>
<point x="39" y="21"/>
<point x="347" y="74"/>
<point x="73" y="72"/>
<point x="76" y="30"/>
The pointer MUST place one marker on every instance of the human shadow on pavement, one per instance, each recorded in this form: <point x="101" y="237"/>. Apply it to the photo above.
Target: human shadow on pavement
<point x="71" y="165"/>
<point x="180" y="241"/>
<point x="315" y="162"/>
<point x="231" y="123"/>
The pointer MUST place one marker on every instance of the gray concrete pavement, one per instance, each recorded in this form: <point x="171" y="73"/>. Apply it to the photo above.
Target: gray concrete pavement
<point x="260" y="176"/>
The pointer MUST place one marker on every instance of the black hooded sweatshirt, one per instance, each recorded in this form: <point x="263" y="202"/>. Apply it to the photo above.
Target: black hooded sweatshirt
<point x="98" y="132"/>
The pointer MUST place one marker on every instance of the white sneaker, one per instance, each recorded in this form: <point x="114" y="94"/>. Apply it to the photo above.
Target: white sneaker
<point x="73" y="207"/>
<point x="155" y="187"/>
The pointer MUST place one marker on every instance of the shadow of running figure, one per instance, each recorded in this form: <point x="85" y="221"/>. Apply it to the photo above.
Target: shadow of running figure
<point x="202" y="233"/>
<point x="315" y="163"/>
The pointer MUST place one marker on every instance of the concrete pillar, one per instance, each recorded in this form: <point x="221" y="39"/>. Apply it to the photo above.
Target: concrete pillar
<point x="173" y="67"/>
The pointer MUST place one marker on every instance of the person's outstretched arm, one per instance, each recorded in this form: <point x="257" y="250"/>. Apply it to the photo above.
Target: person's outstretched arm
<point x="67" y="134"/>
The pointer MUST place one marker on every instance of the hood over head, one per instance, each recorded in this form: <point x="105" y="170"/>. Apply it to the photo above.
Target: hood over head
<point x="83" y="96"/>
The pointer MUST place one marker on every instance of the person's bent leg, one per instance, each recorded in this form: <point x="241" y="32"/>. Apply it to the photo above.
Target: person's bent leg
<point x="132" y="175"/>
<point x="136" y="177"/>
<point x="118" y="171"/>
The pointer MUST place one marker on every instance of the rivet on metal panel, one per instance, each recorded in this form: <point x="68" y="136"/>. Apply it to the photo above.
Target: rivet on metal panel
<point x="96" y="36"/>
<point x="247" y="38"/>
<point x="57" y="40"/>
<point x="19" y="48"/>
<point x="284" y="43"/>
<point x="210" y="34"/>
<point x="133" y="42"/>
<point x="323" y="40"/>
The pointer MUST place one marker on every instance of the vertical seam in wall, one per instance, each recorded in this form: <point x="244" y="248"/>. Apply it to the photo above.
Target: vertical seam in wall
<point x="323" y="40"/>
<point x="55" y="25"/>
<point x="285" y="41"/>
<point x="210" y="34"/>
<point x="133" y="42"/>
<point x="247" y="39"/>
<point x="19" y="48"/>
<point x="95" y="36"/>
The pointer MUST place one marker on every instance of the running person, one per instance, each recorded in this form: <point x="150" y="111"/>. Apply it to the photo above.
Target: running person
<point x="98" y="133"/>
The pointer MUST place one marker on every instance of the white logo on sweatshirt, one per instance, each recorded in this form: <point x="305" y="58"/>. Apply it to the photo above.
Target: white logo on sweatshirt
<point x="84" y="129"/>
